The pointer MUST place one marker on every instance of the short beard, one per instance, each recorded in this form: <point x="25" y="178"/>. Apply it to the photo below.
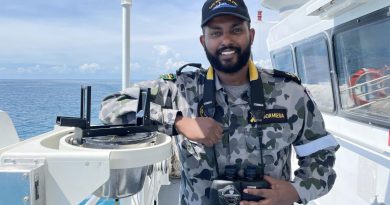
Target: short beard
<point x="243" y="59"/>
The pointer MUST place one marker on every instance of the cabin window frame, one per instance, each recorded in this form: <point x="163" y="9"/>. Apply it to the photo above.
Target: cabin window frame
<point x="373" y="17"/>
<point x="287" y="48"/>
<point x="322" y="36"/>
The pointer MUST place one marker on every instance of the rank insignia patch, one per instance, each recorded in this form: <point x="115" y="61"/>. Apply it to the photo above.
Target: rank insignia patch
<point x="201" y="109"/>
<point x="169" y="77"/>
<point x="251" y="118"/>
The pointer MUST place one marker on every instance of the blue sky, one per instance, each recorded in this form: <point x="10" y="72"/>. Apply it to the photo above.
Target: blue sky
<point x="71" y="39"/>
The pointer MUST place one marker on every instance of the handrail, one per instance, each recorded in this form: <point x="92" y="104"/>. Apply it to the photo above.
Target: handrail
<point x="385" y="77"/>
<point x="369" y="103"/>
<point x="373" y="91"/>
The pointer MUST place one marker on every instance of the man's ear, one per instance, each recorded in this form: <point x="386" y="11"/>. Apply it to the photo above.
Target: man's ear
<point x="201" y="39"/>
<point x="252" y="35"/>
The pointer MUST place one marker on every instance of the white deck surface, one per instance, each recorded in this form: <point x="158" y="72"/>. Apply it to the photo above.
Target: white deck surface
<point x="169" y="195"/>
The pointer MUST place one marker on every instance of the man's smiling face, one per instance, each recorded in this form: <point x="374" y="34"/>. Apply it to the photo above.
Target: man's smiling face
<point x="227" y="42"/>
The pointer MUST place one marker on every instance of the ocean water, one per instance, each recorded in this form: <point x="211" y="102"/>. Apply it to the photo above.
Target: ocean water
<point x="33" y="105"/>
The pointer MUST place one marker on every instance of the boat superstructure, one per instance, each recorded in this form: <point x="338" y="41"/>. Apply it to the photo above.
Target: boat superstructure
<point x="341" y="51"/>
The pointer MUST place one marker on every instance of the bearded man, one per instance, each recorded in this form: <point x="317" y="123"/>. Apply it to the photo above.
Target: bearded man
<point x="237" y="115"/>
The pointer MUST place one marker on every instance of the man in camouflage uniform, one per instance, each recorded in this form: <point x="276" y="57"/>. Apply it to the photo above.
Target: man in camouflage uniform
<point x="231" y="135"/>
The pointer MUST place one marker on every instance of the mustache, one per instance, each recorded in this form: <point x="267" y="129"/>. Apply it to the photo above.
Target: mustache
<point x="236" y="49"/>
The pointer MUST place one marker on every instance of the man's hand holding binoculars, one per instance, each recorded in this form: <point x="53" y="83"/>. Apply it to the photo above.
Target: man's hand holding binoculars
<point x="280" y="193"/>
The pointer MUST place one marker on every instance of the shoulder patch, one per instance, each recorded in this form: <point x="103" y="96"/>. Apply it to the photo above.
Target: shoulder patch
<point x="288" y="75"/>
<point x="169" y="77"/>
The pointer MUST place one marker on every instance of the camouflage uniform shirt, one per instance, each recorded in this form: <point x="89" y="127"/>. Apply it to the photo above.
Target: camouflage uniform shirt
<point x="302" y="129"/>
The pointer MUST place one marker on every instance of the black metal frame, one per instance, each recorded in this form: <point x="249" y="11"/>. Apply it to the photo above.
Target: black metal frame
<point x="143" y="122"/>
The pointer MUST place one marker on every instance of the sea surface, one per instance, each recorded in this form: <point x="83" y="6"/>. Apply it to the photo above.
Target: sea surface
<point x="33" y="105"/>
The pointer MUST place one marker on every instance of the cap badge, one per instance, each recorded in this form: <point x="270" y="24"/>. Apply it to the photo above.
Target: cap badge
<point x="227" y="4"/>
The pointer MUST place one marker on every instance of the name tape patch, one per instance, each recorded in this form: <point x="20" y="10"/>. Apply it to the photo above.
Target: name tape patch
<point x="270" y="116"/>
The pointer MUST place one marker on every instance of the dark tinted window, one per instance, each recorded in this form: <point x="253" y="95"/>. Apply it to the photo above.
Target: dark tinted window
<point x="313" y="69"/>
<point x="283" y="60"/>
<point x="363" y="68"/>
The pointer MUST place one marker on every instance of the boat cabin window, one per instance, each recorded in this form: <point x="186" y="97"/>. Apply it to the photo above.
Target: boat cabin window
<point x="283" y="60"/>
<point x="313" y="69"/>
<point x="362" y="59"/>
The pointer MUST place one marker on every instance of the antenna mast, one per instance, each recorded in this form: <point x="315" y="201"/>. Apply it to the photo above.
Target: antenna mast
<point x="126" y="6"/>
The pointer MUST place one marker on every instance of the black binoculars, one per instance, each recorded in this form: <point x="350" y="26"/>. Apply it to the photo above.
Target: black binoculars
<point x="228" y="189"/>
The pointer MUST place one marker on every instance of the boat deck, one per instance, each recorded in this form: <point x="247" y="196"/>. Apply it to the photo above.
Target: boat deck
<point x="169" y="194"/>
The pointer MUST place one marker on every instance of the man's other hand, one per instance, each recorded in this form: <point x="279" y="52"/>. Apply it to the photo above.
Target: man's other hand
<point x="281" y="193"/>
<point x="204" y="130"/>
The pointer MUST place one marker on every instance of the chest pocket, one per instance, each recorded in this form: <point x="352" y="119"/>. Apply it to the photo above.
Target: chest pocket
<point x="277" y="136"/>
<point x="278" y="129"/>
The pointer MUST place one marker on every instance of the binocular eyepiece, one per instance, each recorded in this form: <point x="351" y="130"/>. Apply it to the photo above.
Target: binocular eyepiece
<point x="250" y="173"/>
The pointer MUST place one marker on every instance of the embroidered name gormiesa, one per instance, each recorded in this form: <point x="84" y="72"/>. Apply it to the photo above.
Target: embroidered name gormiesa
<point x="270" y="116"/>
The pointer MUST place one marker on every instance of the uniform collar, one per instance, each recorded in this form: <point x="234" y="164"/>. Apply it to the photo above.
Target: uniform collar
<point x="218" y="85"/>
<point x="253" y="75"/>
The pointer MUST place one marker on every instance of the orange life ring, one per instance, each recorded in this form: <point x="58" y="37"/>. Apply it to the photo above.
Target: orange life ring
<point x="356" y="78"/>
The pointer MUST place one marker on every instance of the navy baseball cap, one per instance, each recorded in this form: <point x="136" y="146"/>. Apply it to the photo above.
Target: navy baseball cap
<point x="213" y="8"/>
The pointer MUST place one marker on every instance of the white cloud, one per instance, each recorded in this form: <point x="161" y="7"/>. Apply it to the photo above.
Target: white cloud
<point x="33" y="69"/>
<point x="90" y="68"/>
<point x="263" y="63"/>
<point x="59" y="68"/>
<point x="66" y="46"/>
<point x="162" y="49"/>
<point x="177" y="55"/>
<point x="172" y="64"/>
<point x="50" y="42"/>
<point x="135" y="66"/>
<point x="50" y="34"/>
<point x="166" y="58"/>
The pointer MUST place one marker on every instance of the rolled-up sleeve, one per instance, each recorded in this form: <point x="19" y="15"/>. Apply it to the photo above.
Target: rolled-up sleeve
<point x="121" y="107"/>
<point x="315" y="149"/>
